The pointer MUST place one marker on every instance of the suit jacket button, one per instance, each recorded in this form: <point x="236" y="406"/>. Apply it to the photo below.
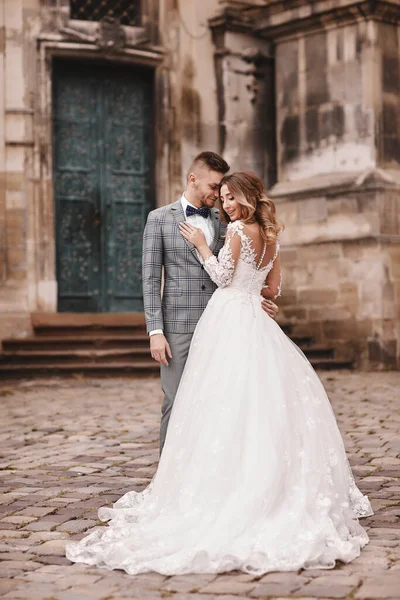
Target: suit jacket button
<point x="203" y="287"/>
<point x="202" y="266"/>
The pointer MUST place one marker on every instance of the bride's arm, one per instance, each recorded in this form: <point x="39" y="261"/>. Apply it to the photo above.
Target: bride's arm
<point x="221" y="269"/>
<point x="273" y="282"/>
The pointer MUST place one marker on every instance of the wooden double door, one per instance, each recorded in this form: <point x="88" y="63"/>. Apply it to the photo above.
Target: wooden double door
<point x="103" y="183"/>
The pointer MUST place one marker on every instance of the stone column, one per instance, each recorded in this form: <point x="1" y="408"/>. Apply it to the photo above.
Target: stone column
<point x="245" y="90"/>
<point x="338" y="172"/>
<point x="2" y="150"/>
<point x="15" y="150"/>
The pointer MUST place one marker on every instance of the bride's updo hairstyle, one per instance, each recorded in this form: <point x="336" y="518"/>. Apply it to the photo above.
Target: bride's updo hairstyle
<point x="249" y="191"/>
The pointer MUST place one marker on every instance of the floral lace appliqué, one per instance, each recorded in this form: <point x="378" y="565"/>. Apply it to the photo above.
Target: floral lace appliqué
<point x="222" y="269"/>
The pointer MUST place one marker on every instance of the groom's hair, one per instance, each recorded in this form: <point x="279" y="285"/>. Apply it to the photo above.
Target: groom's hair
<point x="211" y="160"/>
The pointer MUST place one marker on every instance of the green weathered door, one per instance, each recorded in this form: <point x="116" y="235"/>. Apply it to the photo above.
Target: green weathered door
<point x="103" y="184"/>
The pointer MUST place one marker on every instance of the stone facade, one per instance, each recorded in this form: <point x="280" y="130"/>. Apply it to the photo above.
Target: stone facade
<point x="304" y="93"/>
<point x="337" y="117"/>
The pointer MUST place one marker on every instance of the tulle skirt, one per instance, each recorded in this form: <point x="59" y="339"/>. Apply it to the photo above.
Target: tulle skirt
<point x="253" y="475"/>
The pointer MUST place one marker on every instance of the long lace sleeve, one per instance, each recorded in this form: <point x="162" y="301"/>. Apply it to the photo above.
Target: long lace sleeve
<point x="222" y="269"/>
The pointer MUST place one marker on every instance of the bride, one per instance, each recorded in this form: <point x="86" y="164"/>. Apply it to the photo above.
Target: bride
<point x="253" y="475"/>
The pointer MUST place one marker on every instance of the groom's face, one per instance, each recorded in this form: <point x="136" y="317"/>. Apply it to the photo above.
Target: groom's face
<point x="206" y="186"/>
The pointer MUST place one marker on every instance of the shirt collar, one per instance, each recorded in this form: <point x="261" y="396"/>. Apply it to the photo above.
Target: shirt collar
<point x="185" y="202"/>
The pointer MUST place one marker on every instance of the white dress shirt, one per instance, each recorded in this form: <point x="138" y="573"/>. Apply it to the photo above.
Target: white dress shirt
<point x="207" y="227"/>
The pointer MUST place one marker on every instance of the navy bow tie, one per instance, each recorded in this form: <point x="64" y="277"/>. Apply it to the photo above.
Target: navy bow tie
<point x="203" y="211"/>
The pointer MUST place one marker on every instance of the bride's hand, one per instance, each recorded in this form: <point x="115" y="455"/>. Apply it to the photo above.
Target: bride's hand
<point x="194" y="235"/>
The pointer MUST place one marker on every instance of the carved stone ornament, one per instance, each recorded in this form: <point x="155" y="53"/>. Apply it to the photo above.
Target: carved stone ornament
<point x="111" y="36"/>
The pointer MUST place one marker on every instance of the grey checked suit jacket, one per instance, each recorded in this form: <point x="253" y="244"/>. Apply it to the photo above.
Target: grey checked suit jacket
<point x="187" y="286"/>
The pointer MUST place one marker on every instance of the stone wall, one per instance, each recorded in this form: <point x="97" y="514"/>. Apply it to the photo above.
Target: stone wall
<point x="326" y="102"/>
<point x="338" y="174"/>
<point x="340" y="275"/>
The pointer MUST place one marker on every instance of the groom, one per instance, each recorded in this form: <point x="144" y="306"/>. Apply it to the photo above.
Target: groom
<point x="171" y="317"/>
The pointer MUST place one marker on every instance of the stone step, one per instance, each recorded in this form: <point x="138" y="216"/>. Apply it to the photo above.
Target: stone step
<point x="328" y="364"/>
<point x="109" y="365"/>
<point x="88" y="331"/>
<point x="103" y="339"/>
<point x="104" y="346"/>
<point x="82" y="320"/>
<point x="316" y="350"/>
<point x="109" y="343"/>
<point x="30" y="369"/>
<point x="94" y="354"/>
<point x="102" y="335"/>
<point x="301" y="341"/>
<point x="86" y="324"/>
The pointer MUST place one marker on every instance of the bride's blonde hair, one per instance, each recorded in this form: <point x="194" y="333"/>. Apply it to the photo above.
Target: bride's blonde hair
<point x="249" y="191"/>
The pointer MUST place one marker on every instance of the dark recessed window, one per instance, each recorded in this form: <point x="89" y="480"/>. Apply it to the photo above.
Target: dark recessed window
<point x="127" y="12"/>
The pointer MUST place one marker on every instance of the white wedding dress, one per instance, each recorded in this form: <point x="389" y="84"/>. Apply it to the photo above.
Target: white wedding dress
<point x="253" y="475"/>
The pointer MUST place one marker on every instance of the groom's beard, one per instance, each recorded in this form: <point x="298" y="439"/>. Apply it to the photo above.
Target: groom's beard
<point x="206" y="199"/>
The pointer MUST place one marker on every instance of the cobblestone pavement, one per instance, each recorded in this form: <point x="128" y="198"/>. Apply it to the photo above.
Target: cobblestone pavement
<point x="68" y="446"/>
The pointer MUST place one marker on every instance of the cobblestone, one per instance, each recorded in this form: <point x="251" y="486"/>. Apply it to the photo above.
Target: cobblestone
<point x="69" y="446"/>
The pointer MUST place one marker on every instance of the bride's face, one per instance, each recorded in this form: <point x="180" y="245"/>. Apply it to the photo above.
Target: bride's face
<point x="229" y="204"/>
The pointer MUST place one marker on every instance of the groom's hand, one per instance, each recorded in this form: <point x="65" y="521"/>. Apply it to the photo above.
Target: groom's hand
<point x="270" y="308"/>
<point x="159" y="348"/>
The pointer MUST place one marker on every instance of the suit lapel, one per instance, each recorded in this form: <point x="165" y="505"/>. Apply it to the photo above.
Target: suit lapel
<point x="217" y="229"/>
<point x="179" y="216"/>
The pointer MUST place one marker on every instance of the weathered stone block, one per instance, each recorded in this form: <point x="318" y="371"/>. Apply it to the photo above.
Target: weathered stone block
<point x="362" y="122"/>
<point x="334" y="228"/>
<point x="316" y="61"/>
<point x="324" y="273"/>
<point x="15" y="324"/>
<point x="351" y="82"/>
<point x="371" y="273"/>
<point x="2" y="265"/>
<point x="289" y="256"/>
<point x="389" y="119"/>
<point x="388" y="301"/>
<point x="286" y="74"/>
<point x="288" y="213"/>
<point x="394" y="258"/>
<point x="315" y="252"/>
<point x="342" y="206"/>
<point x="15" y="258"/>
<point x="17" y="275"/>
<point x="390" y="74"/>
<point x="312" y="126"/>
<point x="312" y="210"/>
<point x="294" y="314"/>
<point x="295" y="277"/>
<point x="290" y="138"/>
<point x="317" y="296"/>
<point x="347" y="329"/>
<point x="15" y="237"/>
<point x="331" y="312"/>
<point x="383" y="352"/>
<point x="348" y="295"/>
<point x="338" y="121"/>
<point x="391" y="149"/>
<point x="389" y="213"/>
<point x="15" y="219"/>
<point x="288" y="298"/>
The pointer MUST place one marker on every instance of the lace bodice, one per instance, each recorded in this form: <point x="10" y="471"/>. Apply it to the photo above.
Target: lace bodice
<point x="242" y="272"/>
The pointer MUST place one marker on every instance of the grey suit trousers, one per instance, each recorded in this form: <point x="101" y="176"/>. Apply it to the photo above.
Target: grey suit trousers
<point x="171" y="376"/>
